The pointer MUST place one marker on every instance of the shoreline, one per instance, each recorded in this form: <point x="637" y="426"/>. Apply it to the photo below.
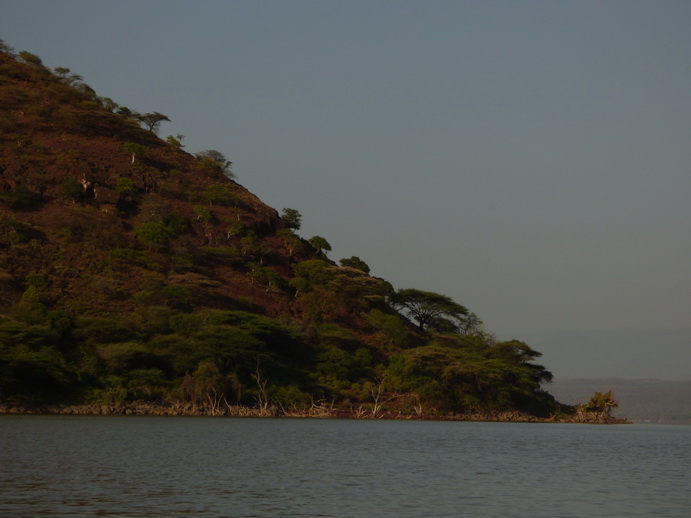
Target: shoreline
<point x="145" y="408"/>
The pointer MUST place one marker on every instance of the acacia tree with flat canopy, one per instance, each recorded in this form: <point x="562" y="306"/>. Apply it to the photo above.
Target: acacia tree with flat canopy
<point x="321" y="244"/>
<point x="431" y="311"/>
<point x="152" y="120"/>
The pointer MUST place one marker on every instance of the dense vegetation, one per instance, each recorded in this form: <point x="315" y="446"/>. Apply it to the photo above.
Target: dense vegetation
<point x="133" y="270"/>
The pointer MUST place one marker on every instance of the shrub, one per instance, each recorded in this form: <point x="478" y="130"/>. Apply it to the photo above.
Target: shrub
<point x="153" y="232"/>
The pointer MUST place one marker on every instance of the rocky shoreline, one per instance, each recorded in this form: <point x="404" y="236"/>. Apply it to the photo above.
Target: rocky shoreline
<point x="146" y="408"/>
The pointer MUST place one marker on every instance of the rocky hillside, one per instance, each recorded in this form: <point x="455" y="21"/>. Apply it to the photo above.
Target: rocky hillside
<point x="133" y="270"/>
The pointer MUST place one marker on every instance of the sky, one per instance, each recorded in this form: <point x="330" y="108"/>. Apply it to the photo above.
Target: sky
<point x="528" y="159"/>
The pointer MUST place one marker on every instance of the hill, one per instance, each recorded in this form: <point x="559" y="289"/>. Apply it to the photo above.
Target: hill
<point x="131" y="270"/>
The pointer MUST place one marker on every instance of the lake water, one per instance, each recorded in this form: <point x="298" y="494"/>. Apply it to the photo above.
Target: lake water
<point x="232" y="467"/>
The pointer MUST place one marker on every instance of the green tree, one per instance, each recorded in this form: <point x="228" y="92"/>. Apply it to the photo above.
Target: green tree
<point x="355" y="262"/>
<point x="65" y="76"/>
<point x="602" y="404"/>
<point x="30" y="59"/>
<point x="153" y="232"/>
<point x="152" y="120"/>
<point x="292" y="217"/>
<point x="220" y="195"/>
<point x="133" y="149"/>
<point x="214" y="163"/>
<point x="125" y="187"/>
<point x="321" y="244"/>
<point x="127" y="114"/>
<point x="203" y="213"/>
<point x="431" y="311"/>
<point x="316" y="271"/>
<point x="391" y="328"/>
<point x="175" y="141"/>
<point x="267" y="277"/>
<point x="72" y="189"/>
<point x="108" y="103"/>
<point x="291" y="241"/>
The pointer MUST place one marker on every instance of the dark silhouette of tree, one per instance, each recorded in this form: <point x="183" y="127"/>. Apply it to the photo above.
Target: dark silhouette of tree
<point x="65" y="76"/>
<point x="127" y="114"/>
<point x="431" y="311"/>
<point x="152" y="120"/>
<point x="6" y="49"/>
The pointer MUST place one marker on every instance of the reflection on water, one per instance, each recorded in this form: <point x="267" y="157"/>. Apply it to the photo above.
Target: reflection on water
<point x="166" y="466"/>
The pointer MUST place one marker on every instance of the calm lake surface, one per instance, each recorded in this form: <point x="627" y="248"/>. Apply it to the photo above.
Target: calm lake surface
<point x="231" y="467"/>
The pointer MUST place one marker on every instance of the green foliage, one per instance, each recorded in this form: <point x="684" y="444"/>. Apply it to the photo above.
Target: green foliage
<point x="602" y="403"/>
<point x="72" y="189"/>
<point x="235" y="229"/>
<point x="218" y="194"/>
<point x="99" y="330"/>
<point x="175" y="141"/>
<point x="315" y="271"/>
<point x="96" y="316"/>
<point x="253" y="247"/>
<point x="288" y="397"/>
<point x="430" y="310"/>
<point x="153" y="233"/>
<point x="127" y="114"/>
<point x="355" y="262"/>
<point x="32" y="368"/>
<point x="108" y="103"/>
<point x="31" y="307"/>
<point x="38" y="280"/>
<point x="320" y="244"/>
<point x="333" y="368"/>
<point x="390" y="327"/>
<point x="299" y="284"/>
<point x="291" y="241"/>
<point x="120" y="358"/>
<point x="292" y="218"/>
<point x="152" y="121"/>
<point x="133" y="149"/>
<point x="214" y="164"/>
<point x="147" y="384"/>
<point x="15" y="232"/>
<point x="177" y="296"/>
<point x="125" y="186"/>
<point x="357" y="289"/>
<point x="267" y="277"/>
<point x="177" y="224"/>
<point x="203" y="213"/>
<point x="30" y="59"/>
<point x="458" y="375"/>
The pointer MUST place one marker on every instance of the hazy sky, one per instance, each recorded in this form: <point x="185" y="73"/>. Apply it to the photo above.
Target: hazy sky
<point x="529" y="159"/>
